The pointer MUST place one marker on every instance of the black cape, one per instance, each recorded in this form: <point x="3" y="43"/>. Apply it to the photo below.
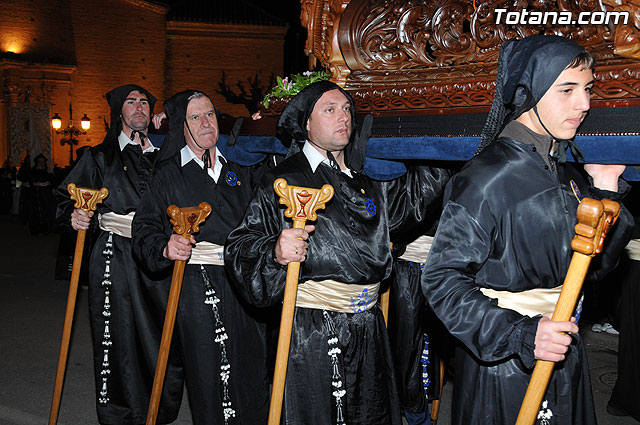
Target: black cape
<point x="507" y="224"/>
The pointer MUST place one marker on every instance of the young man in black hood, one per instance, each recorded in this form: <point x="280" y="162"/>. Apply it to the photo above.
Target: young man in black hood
<point x="125" y="303"/>
<point x="504" y="240"/>
<point x="340" y="368"/>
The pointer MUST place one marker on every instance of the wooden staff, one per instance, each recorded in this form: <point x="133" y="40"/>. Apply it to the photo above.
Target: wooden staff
<point x="302" y="203"/>
<point x="384" y="299"/>
<point x="86" y="200"/>
<point x="594" y="220"/>
<point x="384" y="305"/>
<point x="185" y="222"/>
<point x="435" y="406"/>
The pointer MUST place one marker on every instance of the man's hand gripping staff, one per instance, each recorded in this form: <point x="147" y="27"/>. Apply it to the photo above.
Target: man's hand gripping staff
<point x="186" y="222"/>
<point x="86" y="200"/>
<point x="302" y="204"/>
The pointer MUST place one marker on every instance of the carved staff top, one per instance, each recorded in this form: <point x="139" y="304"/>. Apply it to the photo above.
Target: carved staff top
<point x="592" y="226"/>
<point x="302" y="202"/>
<point x="86" y="199"/>
<point x="186" y="221"/>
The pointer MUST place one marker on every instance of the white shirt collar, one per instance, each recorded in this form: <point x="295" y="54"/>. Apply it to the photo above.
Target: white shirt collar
<point x="315" y="158"/>
<point x="124" y="140"/>
<point x="186" y="155"/>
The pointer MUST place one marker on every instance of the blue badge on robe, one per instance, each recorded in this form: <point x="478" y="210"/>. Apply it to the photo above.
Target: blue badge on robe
<point x="576" y="191"/>
<point x="360" y="303"/>
<point x="231" y="178"/>
<point x="370" y="206"/>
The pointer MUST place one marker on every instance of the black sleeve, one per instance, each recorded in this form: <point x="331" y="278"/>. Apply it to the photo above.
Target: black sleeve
<point x="151" y="227"/>
<point x="461" y="246"/>
<point x="250" y="250"/>
<point x="617" y="238"/>
<point x="415" y="201"/>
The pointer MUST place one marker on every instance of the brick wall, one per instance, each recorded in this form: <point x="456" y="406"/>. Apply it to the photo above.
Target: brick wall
<point x="84" y="48"/>
<point x="37" y="32"/>
<point x="198" y="53"/>
<point x="117" y="42"/>
<point x="40" y="29"/>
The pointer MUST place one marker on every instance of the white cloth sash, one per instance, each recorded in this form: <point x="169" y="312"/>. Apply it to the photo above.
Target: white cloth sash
<point x="543" y="300"/>
<point x="633" y="249"/>
<point x="418" y="250"/>
<point x="120" y="224"/>
<point x="337" y="296"/>
<point x="207" y="253"/>
<point x="528" y="303"/>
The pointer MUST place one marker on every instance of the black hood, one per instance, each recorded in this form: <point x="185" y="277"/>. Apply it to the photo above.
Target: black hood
<point x="527" y="69"/>
<point x="116" y="98"/>
<point x="292" y="125"/>
<point x="176" y="109"/>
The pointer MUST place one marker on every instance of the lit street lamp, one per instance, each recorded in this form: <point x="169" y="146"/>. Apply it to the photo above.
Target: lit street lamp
<point x="70" y="132"/>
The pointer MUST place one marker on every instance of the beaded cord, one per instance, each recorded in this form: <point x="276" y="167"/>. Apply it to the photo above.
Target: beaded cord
<point x="103" y="399"/>
<point x="336" y="378"/>
<point x="220" y="337"/>
<point x="545" y="413"/>
<point x="424" y="360"/>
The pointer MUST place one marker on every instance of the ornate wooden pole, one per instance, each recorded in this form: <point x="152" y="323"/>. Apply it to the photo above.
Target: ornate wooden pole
<point x="594" y="220"/>
<point x="302" y="204"/>
<point x="186" y="221"/>
<point x="86" y="200"/>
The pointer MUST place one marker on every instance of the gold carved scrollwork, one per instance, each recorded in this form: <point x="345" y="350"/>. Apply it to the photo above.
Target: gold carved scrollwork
<point x="401" y="34"/>
<point x="618" y="83"/>
<point x="626" y="40"/>
<point x="430" y="55"/>
<point x="321" y="18"/>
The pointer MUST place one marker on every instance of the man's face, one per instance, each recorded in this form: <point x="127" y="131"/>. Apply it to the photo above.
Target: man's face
<point x="564" y="106"/>
<point x="203" y="124"/>
<point x="136" y="112"/>
<point x="329" y="125"/>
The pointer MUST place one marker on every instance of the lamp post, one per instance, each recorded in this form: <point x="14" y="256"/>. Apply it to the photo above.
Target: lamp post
<point x="70" y="132"/>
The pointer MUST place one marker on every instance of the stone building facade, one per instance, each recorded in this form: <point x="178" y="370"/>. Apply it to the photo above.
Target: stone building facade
<point x="54" y="53"/>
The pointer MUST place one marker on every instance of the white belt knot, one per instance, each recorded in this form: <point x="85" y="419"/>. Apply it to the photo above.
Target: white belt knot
<point x="207" y="253"/>
<point x="120" y="224"/>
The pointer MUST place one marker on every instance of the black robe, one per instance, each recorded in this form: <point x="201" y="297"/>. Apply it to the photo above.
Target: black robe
<point x="41" y="206"/>
<point x="136" y="299"/>
<point x="350" y="244"/>
<point x="196" y="328"/>
<point x="507" y="224"/>
<point x="626" y="392"/>
<point x="418" y="340"/>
